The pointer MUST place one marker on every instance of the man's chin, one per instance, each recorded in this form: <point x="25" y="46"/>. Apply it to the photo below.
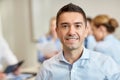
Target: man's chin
<point x="72" y="47"/>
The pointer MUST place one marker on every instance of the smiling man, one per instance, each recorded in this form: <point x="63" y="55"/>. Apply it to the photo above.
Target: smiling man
<point x="75" y="62"/>
<point x="71" y="29"/>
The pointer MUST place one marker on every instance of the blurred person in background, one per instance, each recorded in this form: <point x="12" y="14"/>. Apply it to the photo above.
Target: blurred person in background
<point x="48" y="45"/>
<point x="90" y="41"/>
<point x="103" y="29"/>
<point x="6" y="57"/>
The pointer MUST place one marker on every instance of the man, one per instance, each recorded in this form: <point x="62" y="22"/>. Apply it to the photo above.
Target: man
<point x="75" y="62"/>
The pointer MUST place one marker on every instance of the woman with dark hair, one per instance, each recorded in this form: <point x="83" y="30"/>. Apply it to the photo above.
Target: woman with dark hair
<point x="103" y="29"/>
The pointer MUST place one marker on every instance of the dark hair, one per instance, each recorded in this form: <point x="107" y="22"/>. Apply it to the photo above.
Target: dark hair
<point x="71" y="8"/>
<point x="89" y="19"/>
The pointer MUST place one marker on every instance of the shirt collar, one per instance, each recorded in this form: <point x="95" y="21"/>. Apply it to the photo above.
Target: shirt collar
<point x="85" y="55"/>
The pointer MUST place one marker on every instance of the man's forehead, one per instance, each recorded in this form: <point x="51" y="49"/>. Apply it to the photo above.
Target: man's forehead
<point x="71" y="13"/>
<point x="75" y="23"/>
<point x="69" y="16"/>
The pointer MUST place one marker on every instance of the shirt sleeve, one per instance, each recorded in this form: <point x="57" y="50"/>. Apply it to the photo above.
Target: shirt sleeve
<point x="40" y="46"/>
<point x="40" y="56"/>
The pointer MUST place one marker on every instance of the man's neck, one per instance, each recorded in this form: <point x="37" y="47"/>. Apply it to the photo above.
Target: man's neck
<point x="73" y="55"/>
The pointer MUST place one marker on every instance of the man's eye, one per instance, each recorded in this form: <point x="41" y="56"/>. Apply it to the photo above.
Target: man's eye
<point x="64" y="26"/>
<point x="78" y="26"/>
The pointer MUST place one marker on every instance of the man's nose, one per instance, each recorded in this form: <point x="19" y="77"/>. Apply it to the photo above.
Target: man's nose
<point x="71" y="30"/>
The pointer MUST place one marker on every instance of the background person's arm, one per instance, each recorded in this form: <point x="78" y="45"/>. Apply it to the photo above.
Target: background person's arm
<point x="2" y="75"/>
<point x="8" y="55"/>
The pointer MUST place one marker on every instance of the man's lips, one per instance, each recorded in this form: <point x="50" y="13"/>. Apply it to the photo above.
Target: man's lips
<point x="71" y="39"/>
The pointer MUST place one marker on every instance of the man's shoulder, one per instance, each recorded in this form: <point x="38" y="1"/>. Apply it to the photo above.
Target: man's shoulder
<point x="105" y="63"/>
<point x="98" y="57"/>
<point x="97" y="54"/>
<point x="52" y="60"/>
<point x="101" y="59"/>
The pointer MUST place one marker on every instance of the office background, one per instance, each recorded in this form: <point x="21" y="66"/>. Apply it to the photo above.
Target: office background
<point x="20" y="27"/>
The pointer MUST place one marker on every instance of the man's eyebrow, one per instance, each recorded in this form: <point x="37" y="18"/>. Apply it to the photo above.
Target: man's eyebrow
<point x="74" y="23"/>
<point x="64" y="23"/>
<point x="78" y="23"/>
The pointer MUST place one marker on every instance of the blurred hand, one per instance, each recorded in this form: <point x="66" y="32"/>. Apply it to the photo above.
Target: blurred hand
<point x="2" y="75"/>
<point x="17" y="71"/>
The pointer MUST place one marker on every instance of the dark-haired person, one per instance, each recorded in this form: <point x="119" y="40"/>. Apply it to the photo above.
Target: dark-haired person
<point x="103" y="29"/>
<point x="75" y="62"/>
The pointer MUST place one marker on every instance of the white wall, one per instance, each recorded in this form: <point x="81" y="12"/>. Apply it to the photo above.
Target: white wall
<point x="0" y="27"/>
<point x="17" y="29"/>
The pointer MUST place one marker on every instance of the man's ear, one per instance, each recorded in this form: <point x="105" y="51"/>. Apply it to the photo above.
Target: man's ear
<point x="57" y="31"/>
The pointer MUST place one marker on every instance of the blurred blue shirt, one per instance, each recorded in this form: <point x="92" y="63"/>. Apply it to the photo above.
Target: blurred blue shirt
<point x="91" y="66"/>
<point x="90" y="42"/>
<point x="43" y="42"/>
<point x="109" y="46"/>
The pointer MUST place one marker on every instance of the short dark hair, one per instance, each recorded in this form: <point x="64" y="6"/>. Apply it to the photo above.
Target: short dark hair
<point x="71" y="8"/>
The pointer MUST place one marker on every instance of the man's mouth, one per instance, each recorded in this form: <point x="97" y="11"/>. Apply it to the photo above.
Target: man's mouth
<point x="71" y="38"/>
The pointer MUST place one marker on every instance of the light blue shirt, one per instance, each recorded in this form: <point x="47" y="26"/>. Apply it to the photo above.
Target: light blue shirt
<point x="91" y="66"/>
<point x="109" y="46"/>
<point x="90" y="42"/>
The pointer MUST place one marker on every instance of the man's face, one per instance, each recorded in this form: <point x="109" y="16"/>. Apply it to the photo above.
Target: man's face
<point x="71" y="30"/>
